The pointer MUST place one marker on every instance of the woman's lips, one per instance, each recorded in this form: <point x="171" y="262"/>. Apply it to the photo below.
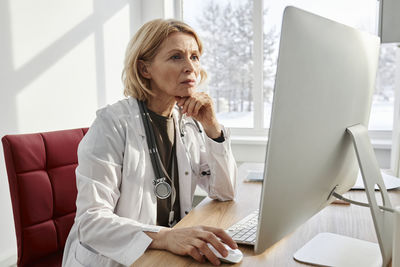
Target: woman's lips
<point x="189" y="82"/>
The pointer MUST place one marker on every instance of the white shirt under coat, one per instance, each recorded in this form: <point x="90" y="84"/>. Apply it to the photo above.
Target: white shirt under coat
<point x="116" y="202"/>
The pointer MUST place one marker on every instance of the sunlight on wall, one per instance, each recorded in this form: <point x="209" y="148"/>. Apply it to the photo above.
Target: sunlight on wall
<point x="47" y="22"/>
<point x="62" y="61"/>
<point x="116" y="38"/>
<point x="64" y="96"/>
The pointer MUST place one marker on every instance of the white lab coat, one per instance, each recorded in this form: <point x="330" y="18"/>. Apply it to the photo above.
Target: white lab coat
<point x="116" y="202"/>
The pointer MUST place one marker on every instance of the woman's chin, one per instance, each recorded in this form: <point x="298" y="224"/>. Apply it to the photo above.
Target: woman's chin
<point x="187" y="92"/>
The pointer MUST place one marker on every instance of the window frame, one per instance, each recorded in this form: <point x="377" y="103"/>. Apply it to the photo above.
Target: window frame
<point x="380" y="139"/>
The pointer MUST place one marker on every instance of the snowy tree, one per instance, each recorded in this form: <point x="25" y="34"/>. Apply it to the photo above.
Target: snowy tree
<point x="386" y="71"/>
<point x="227" y="33"/>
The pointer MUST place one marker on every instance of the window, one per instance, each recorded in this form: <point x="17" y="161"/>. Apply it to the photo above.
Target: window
<point x="228" y="30"/>
<point x="383" y="102"/>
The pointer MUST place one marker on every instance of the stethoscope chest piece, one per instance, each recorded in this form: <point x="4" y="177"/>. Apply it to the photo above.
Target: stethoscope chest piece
<point x="162" y="189"/>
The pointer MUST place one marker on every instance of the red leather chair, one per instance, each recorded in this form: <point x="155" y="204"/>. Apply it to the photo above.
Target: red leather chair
<point x="41" y="175"/>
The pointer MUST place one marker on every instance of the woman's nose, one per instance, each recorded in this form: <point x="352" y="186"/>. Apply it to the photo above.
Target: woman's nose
<point x="189" y="66"/>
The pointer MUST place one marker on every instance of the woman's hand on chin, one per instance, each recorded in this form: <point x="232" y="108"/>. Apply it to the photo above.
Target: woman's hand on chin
<point x="193" y="241"/>
<point x="200" y="106"/>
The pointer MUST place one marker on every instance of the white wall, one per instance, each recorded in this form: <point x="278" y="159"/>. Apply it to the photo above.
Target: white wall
<point x="60" y="62"/>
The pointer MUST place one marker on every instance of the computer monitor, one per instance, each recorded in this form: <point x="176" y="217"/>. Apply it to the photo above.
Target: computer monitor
<point x="324" y="84"/>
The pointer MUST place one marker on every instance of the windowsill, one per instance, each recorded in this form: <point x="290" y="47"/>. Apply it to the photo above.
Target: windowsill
<point x="377" y="143"/>
<point x="382" y="143"/>
<point x="249" y="140"/>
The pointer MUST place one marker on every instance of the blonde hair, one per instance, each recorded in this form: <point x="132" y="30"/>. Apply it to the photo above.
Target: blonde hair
<point x="144" y="46"/>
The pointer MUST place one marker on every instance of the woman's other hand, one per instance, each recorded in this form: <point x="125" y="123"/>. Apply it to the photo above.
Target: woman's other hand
<point x="200" y="106"/>
<point x="193" y="241"/>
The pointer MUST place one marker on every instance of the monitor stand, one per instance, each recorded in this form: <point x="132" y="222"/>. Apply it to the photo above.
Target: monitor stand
<point x="328" y="249"/>
<point x="325" y="248"/>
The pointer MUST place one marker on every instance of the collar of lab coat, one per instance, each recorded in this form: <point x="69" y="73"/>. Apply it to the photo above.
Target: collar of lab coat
<point x="136" y="115"/>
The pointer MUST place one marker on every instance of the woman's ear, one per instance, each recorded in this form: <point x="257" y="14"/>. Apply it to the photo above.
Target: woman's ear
<point x="143" y="69"/>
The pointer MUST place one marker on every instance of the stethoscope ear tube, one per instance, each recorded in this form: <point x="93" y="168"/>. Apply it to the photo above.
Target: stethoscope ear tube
<point x="182" y="124"/>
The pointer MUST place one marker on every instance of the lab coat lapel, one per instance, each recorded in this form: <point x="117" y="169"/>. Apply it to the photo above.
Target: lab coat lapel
<point x="184" y="169"/>
<point x="136" y="114"/>
<point x="150" y="207"/>
<point x="140" y="130"/>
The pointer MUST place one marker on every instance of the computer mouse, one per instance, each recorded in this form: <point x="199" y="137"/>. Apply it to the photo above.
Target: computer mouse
<point x="234" y="255"/>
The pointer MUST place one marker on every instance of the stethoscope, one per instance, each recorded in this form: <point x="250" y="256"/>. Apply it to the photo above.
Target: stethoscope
<point x="162" y="189"/>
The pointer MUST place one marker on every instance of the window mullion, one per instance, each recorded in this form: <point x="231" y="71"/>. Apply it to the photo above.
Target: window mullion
<point x="258" y="64"/>
<point x="178" y="10"/>
<point x="395" y="153"/>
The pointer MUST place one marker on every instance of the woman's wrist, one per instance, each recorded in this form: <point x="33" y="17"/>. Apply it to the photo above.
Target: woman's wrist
<point x="213" y="130"/>
<point x="159" y="238"/>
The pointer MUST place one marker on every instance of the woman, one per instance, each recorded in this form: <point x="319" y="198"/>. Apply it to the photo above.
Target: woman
<point x="125" y="204"/>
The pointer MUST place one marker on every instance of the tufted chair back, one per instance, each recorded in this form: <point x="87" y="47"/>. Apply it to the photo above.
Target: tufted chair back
<point x="41" y="176"/>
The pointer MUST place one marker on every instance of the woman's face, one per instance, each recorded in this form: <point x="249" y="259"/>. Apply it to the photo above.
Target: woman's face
<point x="175" y="68"/>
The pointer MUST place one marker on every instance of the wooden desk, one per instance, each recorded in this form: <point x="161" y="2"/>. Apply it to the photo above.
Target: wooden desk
<point x="349" y="220"/>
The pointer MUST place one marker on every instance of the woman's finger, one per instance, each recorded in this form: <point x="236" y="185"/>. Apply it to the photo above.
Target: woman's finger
<point x="186" y="104"/>
<point x="227" y="239"/>
<point x="206" y="251"/>
<point x="190" y="108"/>
<point x="180" y="100"/>
<point x="211" y="238"/>
<point x="195" y="254"/>
<point x="196" y="109"/>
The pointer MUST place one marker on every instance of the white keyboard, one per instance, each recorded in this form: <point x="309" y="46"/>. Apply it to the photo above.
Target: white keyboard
<point x="245" y="231"/>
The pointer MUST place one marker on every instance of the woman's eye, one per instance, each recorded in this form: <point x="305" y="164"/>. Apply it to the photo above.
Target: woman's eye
<point x="175" y="57"/>
<point x="195" y="57"/>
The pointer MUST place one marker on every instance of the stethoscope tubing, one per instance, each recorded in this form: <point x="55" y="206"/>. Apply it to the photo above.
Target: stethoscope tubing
<point x="158" y="167"/>
<point x="159" y="170"/>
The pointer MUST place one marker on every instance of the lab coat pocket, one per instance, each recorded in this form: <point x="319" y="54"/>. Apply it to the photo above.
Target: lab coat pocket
<point x="88" y="258"/>
<point x="205" y="170"/>
<point x="203" y="178"/>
